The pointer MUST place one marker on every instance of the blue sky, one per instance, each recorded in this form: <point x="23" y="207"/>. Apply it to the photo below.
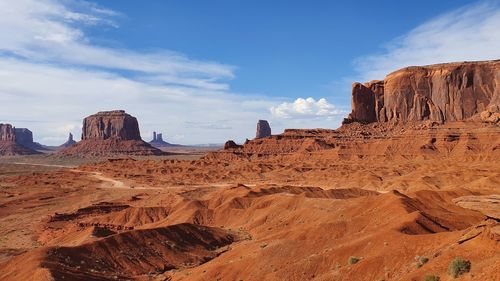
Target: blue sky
<point x="206" y="71"/>
<point x="280" y="48"/>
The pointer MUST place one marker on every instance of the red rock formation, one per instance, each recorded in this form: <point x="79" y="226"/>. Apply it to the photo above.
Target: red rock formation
<point x="230" y="144"/>
<point x="24" y="137"/>
<point x="263" y="129"/>
<point x="440" y="93"/>
<point x="8" y="144"/>
<point x="7" y="132"/>
<point x="159" y="142"/>
<point x="69" y="142"/>
<point x="111" y="133"/>
<point x="110" y="125"/>
<point x="367" y="100"/>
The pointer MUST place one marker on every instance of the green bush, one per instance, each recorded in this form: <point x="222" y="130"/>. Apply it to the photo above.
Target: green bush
<point x="431" y="277"/>
<point x="458" y="266"/>
<point x="353" y="260"/>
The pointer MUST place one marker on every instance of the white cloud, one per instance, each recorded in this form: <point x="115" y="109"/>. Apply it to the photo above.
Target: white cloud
<point x="306" y="108"/>
<point x="50" y="32"/>
<point x="52" y="75"/>
<point x="466" y="34"/>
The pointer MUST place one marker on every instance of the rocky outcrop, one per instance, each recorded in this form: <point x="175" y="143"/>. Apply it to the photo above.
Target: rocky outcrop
<point x="111" y="133"/>
<point x="159" y="142"/>
<point x="263" y="129"/>
<point x="230" y="144"/>
<point x="491" y="115"/>
<point x="69" y="142"/>
<point x="440" y="93"/>
<point x="9" y="144"/>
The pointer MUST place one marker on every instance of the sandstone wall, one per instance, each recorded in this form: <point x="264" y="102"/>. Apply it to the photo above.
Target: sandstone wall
<point x="441" y="93"/>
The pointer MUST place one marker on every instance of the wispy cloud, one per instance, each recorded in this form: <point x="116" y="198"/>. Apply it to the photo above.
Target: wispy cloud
<point x="52" y="75"/>
<point x="469" y="33"/>
<point x="48" y="31"/>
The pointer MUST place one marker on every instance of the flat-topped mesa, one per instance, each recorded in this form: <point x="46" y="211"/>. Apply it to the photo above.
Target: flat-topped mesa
<point x="440" y="93"/>
<point x="114" y="124"/>
<point x="24" y="137"/>
<point x="9" y="144"/>
<point x="111" y="133"/>
<point x="263" y="129"/>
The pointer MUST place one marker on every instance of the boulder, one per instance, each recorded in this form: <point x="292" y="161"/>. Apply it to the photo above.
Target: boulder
<point x="439" y="93"/>
<point x="263" y="129"/>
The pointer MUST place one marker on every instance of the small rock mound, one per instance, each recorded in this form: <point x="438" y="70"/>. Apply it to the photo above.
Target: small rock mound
<point x="230" y="144"/>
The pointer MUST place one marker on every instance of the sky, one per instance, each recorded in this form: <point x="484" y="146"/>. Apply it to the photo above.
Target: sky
<point x="206" y="71"/>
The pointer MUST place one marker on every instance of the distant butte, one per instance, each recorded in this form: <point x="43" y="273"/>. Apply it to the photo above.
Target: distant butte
<point x="263" y="129"/>
<point x="111" y="133"/>
<point x="158" y="141"/>
<point x="8" y="142"/>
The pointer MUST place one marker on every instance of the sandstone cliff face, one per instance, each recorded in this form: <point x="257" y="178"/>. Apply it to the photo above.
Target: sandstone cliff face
<point x="263" y="129"/>
<point x="7" y="132"/>
<point x="440" y="93"/>
<point x="110" y="125"/>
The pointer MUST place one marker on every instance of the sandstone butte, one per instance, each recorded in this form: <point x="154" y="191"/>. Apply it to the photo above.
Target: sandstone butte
<point x="158" y="141"/>
<point x="111" y="133"/>
<point x="69" y="142"/>
<point x="263" y="129"/>
<point x="9" y="143"/>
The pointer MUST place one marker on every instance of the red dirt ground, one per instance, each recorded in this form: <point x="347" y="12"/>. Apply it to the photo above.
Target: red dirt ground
<point x="294" y="206"/>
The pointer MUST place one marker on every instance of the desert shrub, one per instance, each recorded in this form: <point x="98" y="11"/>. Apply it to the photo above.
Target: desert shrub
<point x="353" y="260"/>
<point x="431" y="277"/>
<point x="458" y="266"/>
<point x="421" y="261"/>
